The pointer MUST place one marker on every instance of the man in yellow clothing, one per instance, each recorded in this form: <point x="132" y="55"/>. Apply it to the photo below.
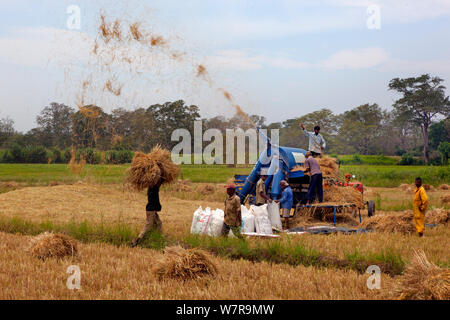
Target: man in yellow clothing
<point x="420" y="204"/>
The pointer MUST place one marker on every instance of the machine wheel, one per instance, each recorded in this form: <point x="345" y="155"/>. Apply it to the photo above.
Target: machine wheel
<point x="371" y="208"/>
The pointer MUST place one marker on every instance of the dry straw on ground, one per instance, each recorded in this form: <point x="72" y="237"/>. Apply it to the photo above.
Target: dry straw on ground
<point x="403" y="221"/>
<point x="424" y="280"/>
<point x="445" y="198"/>
<point x="49" y="245"/>
<point x="9" y="184"/>
<point x="147" y="170"/>
<point x="444" y="187"/>
<point x="206" y="189"/>
<point x="179" y="263"/>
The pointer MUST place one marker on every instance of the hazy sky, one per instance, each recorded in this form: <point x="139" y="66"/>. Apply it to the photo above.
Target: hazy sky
<point x="280" y="59"/>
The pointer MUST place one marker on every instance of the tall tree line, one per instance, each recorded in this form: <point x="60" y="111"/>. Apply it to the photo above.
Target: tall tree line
<point x="418" y="124"/>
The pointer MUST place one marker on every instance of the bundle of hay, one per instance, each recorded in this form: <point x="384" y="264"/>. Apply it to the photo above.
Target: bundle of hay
<point x="437" y="216"/>
<point x="445" y="198"/>
<point x="48" y="245"/>
<point x="148" y="169"/>
<point x="444" y="187"/>
<point x="337" y="194"/>
<point x="329" y="167"/>
<point x="428" y="187"/>
<point x="206" y="189"/>
<point x="424" y="280"/>
<point x="398" y="222"/>
<point x="9" y="184"/>
<point x="407" y="187"/>
<point x="182" y="186"/>
<point x="179" y="263"/>
<point x="403" y="221"/>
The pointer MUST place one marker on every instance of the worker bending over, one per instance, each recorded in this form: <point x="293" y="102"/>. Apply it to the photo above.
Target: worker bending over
<point x="232" y="218"/>
<point x="261" y="196"/>
<point x="286" y="201"/>
<point x="316" y="179"/>
<point x="420" y="204"/>
<point x="316" y="142"/>
<point x="153" y="222"/>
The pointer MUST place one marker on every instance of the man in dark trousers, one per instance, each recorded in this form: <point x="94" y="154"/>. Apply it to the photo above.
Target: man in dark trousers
<point x="153" y="221"/>
<point x="316" y="179"/>
<point x="232" y="218"/>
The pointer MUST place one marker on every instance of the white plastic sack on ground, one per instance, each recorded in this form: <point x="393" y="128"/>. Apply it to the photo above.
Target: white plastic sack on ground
<point x="207" y="222"/>
<point x="248" y="220"/>
<point x="199" y="221"/>
<point x="274" y="215"/>
<point x="263" y="224"/>
<point x="215" y="225"/>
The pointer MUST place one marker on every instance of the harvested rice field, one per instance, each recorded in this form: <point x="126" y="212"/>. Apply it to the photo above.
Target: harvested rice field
<point x="112" y="270"/>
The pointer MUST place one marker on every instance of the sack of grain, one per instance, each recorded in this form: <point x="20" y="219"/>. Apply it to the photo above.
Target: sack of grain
<point x="200" y="220"/>
<point x="274" y="214"/>
<point x="262" y="221"/>
<point x="248" y="220"/>
<point x="215" y="225"/>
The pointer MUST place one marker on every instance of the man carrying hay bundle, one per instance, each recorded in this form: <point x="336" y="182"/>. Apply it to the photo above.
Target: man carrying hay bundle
<point x="316" y="142"/>
<point x="232" y="218"/>
<point x="420" y="203"/>
<point x="151" y="171"/>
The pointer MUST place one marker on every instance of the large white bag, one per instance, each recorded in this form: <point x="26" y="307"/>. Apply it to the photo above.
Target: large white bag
<point x="274" y="215"/>
<point x="200" y="221"/>
<point x="207" y="222"/>
<point x="263" y="224"/>
<point x="262" y="221"/>
<point x="248" y="220"/>
<point x="215" y="225"/>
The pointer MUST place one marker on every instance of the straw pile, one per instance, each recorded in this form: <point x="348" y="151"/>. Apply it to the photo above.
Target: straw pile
<point x="326" y="214"/>
<point x="445" y="198"/>
<point x="403" y="221"/>
<point x="48" y="245"/>
<point x="437" y="216"/>
<point x="147" y="170"/>
<point x="329" y="167"/>
<point x="424" y="280"/>
<point x="398" y="222"/>
<point x="444" y="187"/>
<point x="206" y="189"/>
<point x="179" y="263"/>
<point x="428" y="187"/>
<point x="341" y="195"/>
<point x="408" y="188"/>
<point x="183" y="186"/>
<point x="9" y="184"/>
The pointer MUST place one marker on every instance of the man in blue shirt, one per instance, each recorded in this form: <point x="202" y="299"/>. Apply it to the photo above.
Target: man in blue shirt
<point x="286" y="201"/>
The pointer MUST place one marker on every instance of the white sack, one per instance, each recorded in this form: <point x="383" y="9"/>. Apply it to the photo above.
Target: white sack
<point x="274" y="215"/>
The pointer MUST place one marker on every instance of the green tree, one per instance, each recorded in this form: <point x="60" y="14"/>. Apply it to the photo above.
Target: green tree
<point x="6" y="130"/>
<point x="444" y="150"/>
<point x="423" y="100"/>
<point x="55" y="124"/>
<point x="360" y="129"/>
<point x="439" y="132"/>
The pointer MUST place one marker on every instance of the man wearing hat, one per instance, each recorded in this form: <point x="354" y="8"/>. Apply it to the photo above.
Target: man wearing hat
<point x="232" y="219"/>
<point x="261" y="196"/>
